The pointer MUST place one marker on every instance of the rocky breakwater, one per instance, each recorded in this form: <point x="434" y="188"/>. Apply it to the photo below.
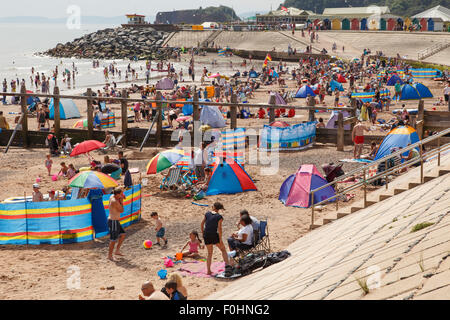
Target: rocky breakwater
<point x="118" y="43"/>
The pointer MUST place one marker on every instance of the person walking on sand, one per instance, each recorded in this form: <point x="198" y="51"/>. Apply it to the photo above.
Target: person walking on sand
<point x="116" y="230"/>
<point x="358" y="138"/>
<point x="211" y="227"/>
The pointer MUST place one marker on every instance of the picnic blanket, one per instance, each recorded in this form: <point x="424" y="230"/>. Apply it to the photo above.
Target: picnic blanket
<point x="198" y="269"/>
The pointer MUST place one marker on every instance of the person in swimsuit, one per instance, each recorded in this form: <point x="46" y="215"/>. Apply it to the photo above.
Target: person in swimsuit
<point x="358" y="139"/>
<point x="116" y="230"/>
<point x="194" y="244"/>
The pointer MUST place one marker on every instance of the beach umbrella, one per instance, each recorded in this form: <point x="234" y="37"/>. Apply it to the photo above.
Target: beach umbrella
<point x="279" y="124"/>
<point x="81" y="124"/>
<point x="87" y="146"/>
<point x="164" y="160"/>
<point x="92" y="180"/>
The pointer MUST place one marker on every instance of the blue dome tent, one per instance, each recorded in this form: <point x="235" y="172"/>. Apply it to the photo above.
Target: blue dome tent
<point x="423" y="90"/>
<point x="393" y="80"/>
<point x="409" y="93"/>
<point x="253" y="74"/>
<point x="67" y="109"/>
<point x="336" y="85"/>
<point x="303" y="92"/>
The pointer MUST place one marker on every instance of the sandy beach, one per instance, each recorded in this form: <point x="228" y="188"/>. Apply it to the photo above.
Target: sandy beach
<point x="41" y="272"/>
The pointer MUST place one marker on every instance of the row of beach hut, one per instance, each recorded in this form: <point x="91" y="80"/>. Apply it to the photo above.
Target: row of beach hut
<point x="377" y="22"/>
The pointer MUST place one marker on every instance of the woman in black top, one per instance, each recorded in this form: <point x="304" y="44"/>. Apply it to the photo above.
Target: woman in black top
<point x="212" y="234"/>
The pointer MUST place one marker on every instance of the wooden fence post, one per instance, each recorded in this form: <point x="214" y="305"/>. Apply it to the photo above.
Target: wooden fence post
<point x="159" y="120"/>
<point x="124" y="115"/>
<point x="233" y="112"/>
<point x="196" y="107"/>
<point x="420" y="119"/>
<point x="24" y="110"/>
<point x="311" y="115"/>
<point x="340" y="132"/>
<point x="57" y="118"/>
<point x="90" y="115"/>
<point x="272" y="110"/>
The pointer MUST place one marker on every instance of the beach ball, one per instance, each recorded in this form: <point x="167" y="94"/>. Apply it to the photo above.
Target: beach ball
<point x="147" y="244"/>
<point x="168" y="263"/>
<point x="54" y="177"/>
<point x="162" y="274"/>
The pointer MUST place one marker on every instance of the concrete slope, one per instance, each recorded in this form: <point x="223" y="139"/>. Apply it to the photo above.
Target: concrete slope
<point x="327" y="262"/>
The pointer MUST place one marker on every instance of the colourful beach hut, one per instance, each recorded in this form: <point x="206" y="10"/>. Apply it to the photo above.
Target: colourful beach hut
<point x="430" y="24"/>
<point x="327" y="24"/>
<point x="423" y="24"/>
<point x="303" y="92"/>
<point x="316" y="22"/>
<point x="400" y="23"/>
<point x="407" y="22"/>
<point x="229" y="177"/>
<point x="296" y="190"/>
<point x="400" y="137"/>
<point x="391" y="23"/>
<point x="363" y="24"/>
<point x="355" y="24"/>
<point x="383" y="24"/>
<point x="423" y="90"/>
<point x="409" y="93"/>
<point x="336" y="24"/>
<point x="345" y="24"/>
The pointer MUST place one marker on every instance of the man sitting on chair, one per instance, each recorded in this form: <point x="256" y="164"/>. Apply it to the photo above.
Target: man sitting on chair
<point x="110" y="141"/>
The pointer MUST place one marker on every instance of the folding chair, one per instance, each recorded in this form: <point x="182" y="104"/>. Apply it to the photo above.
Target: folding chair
<point x="173" y="180"/>
<point x="261" y="241"/>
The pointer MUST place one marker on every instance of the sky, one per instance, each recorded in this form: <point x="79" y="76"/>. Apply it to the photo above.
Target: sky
<point x="110" y="8"/>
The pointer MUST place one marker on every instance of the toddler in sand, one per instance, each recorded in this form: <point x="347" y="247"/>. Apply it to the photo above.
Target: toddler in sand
<point x="194" y="244"/>
<point x="48" y="164"/>
<point x="160" y="230"/>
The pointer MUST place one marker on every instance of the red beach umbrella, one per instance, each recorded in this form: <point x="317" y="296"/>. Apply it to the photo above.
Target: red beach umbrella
<point x="87" y="146"/>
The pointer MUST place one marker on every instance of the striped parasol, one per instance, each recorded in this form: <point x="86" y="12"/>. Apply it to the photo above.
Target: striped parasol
<point x="164" y="160"/>
<point x="92" y="180"/>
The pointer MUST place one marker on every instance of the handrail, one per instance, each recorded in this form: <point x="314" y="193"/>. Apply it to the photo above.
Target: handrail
<point x="387" y="171"/>
<point x="207" y="103"/>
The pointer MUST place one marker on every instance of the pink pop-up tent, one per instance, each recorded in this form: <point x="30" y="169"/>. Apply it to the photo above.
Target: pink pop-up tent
<point x="296" y="190"/>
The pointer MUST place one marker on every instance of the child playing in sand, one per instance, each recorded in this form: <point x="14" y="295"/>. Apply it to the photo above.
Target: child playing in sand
<point x="48" y="164"/>
<point x="64" y="169"/>
<point x="160" y="230"/>
<point x="194" y="244"/>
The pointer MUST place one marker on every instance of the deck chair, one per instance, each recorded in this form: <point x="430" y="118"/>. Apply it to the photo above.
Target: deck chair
<point x="173" y="180"/>
<point x="112" y="144"/>
<point x="261" y="242"/>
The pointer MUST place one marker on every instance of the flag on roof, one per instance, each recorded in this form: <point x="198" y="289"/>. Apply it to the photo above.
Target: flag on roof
<point x="284" y="9"/>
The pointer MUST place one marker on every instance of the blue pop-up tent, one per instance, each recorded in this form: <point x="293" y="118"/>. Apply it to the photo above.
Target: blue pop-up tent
<point x="393" y="80"/>
<point x="336" y="85"/>
<point x="409" y="93"/>
<point x="423" y="90"/>
<point x="67" y="109"/>
<point x="253" y="74"/>
<point x="304" y="91"/>
<point x="400" y="137"/>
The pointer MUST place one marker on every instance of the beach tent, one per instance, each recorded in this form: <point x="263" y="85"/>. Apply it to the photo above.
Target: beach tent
<point x="165" y="84"/>
<point x="279" y="100"/>
<point x="423" y="90"/>
<point x="229" y="177"/>
<point x="409" y="93"/>
<point x="31" y="100"/>
<point x="253" y="74"/>
<point x="393" y="80"/>
<point x="336" y="85"/>
<point x="341" y="79"/>
<point x="303" y="92"/>
<point x="273" y="73"/>
<point x="332" y="123"/>
<point x="399" y="137"/>
<point x="212" y="116"/>
<point x="296" y="190"/>
<point x="67" y="109"/>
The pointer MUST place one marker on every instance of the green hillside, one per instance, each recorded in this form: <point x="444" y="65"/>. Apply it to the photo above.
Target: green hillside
<point x="398" y="7"/>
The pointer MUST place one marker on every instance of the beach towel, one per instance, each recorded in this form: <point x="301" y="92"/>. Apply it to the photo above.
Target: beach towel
<point x="198" y="269"/>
